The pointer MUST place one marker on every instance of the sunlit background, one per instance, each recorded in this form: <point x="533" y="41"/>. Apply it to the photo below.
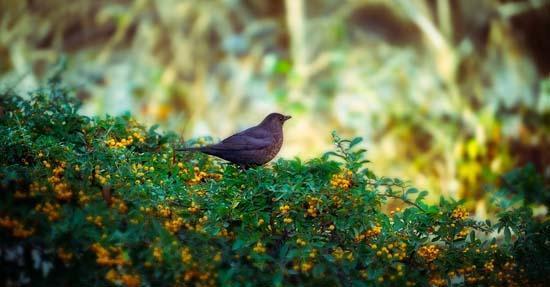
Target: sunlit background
<point x="448" y="94"/>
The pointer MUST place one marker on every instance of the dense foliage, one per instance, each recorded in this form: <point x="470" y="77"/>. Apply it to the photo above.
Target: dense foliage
<point x="99" y="201"/>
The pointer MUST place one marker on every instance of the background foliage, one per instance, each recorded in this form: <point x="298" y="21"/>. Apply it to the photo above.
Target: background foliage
<point x="465" y="83"/>
<point x="106" y="201"/>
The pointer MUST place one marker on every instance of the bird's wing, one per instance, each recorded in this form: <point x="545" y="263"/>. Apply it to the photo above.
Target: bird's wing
<point x="250" y="139"/>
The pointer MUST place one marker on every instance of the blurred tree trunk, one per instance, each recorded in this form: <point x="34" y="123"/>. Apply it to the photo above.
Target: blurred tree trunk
<point x="296" y="22"/>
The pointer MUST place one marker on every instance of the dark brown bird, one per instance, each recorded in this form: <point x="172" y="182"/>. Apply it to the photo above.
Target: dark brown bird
<point x="252" y="147"/>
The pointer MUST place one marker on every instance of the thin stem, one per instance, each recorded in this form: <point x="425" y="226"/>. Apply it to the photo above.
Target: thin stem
<point x="406" y="201"/>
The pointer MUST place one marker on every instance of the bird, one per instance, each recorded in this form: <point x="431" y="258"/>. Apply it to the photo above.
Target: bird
<point x="252" y="147"/>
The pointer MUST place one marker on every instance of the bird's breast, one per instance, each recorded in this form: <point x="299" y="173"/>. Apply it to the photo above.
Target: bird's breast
<point x="274" y="149"/>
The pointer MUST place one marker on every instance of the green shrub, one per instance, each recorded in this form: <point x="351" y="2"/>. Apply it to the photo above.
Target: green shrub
<point x="105" y="201"/>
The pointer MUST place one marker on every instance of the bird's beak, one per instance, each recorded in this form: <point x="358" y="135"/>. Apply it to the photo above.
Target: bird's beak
<point x="286" y="118"/>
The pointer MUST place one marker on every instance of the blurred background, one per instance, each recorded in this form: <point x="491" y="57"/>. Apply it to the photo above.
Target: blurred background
<point x="448" y="94"/>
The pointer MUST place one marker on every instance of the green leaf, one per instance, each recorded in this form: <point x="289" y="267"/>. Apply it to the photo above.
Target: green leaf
<point x="411" y="191"/>
<point x="421" y="196"/>
<point x="355" y="141"/>
<point x="507" y="235"/>
<point x="278" y="279"/>
<point x="238" y="244"/>
<point x="283" y="67"/>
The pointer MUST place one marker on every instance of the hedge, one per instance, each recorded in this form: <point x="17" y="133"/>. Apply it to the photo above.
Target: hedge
<point x="107" y="202"/>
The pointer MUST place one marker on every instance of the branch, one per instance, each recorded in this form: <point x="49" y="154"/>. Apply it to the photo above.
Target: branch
<point x="406" y="201"/>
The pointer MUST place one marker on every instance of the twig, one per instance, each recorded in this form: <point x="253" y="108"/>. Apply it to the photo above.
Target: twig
<point x="406" y="201"/>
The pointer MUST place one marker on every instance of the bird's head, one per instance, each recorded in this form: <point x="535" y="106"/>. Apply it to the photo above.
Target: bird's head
<point x="275" y="120"/>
